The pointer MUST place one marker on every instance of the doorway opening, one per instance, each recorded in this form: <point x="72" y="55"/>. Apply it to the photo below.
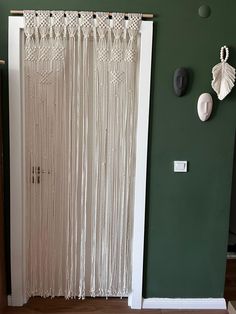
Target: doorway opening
<point x="17" y="170"/>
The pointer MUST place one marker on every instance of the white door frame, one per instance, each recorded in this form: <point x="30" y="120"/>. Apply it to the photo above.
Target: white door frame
<point x="17" y="194"/>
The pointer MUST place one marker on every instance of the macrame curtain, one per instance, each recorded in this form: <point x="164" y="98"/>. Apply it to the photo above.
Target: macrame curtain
<point x="80" y="91"/>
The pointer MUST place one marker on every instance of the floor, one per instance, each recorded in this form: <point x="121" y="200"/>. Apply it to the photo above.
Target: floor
<point x="90" y="306"/>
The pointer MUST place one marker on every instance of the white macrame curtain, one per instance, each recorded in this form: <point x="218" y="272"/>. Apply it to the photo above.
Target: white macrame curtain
<point x="80" y="90"/>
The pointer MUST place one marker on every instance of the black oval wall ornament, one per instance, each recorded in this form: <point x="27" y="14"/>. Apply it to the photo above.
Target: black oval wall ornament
<point x="180" y="81"/>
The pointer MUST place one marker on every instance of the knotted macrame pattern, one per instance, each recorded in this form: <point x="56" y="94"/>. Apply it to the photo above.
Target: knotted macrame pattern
<point x="80" y="80"/>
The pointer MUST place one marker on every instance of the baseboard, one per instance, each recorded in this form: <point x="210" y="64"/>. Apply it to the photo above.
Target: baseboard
<point x="9" y="300"/>
<point x="130" y="299"/>
<point x="16" y="301"/>
<point x="232" y="307"/>
<point x="169" y="303"/>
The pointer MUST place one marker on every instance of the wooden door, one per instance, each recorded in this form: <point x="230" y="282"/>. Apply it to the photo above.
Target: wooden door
<point x="3" y="297"/>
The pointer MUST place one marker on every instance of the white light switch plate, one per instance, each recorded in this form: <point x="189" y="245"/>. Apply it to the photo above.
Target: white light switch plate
<point x="180" y="166"/>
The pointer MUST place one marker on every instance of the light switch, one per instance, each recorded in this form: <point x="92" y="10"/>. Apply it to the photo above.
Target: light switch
<point x="180" y="166"/>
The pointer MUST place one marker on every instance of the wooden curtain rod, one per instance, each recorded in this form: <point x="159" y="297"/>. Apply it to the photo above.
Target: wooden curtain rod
<point x="144" y="15"/>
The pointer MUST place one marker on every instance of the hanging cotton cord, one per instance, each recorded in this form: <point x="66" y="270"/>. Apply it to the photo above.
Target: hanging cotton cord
<point x="115" y="104"/>
<point x="80" y="83"/>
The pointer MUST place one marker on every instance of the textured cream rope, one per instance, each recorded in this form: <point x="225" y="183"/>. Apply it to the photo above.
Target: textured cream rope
<point x="81" y="80"/>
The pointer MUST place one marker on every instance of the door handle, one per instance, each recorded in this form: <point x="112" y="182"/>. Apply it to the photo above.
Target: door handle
<point x="38" y="175"/>
<point x="33" y="175"/>
<point x="36" y="172"/>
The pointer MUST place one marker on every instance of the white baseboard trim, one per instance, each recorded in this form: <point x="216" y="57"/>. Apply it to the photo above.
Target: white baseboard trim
<point x="130" y="300"/>
<point x="16" y="301"/>
<point x="169" y="303"/>
<point x="9" y="300"/>
<point x="232" y="307"/>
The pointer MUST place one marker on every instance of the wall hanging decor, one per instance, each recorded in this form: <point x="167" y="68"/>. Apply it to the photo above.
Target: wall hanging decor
<point x="180" y="81"/>
<point x="223" y="75"/>
<point x="204" y="11"/>
<point x="79" y="110"/>
<point x="204" y="106"/>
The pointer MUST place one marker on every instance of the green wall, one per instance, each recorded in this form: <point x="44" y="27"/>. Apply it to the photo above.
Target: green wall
<point x="187" y="214"/>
